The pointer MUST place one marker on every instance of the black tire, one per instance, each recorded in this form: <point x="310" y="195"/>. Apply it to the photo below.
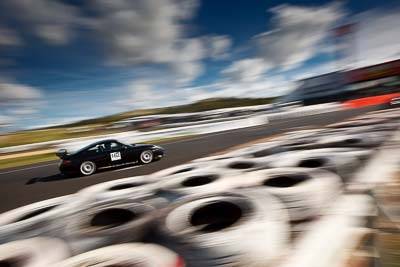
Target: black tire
<point x="146" y="157"/>
<point x="87" y="168"/>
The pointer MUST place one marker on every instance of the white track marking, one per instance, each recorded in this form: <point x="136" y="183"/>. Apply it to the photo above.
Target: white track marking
<point x="127" y="168"/>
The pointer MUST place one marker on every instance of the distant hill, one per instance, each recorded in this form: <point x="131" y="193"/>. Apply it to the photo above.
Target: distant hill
<point x="202" y="105"/>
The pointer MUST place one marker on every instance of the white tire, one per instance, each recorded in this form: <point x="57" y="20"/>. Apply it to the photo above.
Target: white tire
<point x="259" y="150"/>
<point x="305" y="192"/>
<point x="197" y="182"/>
<point x="357" y="123"/>
<point x="242" y="164"/>
<point x="351" y="140"/>
<point x="87" y="168"/>
<point x="39" y="218"/>
<point x="238" y="228"/>
<point x="180" y="169"/>
<point x="298" y="134"/>
<point x="108" y="223"/>
<point x="212" y="159"/>
<point x="34" y="252"/>
<point x="342" y="163"/>
<point x="127" y="187"/>
<point x="130" y="254"/>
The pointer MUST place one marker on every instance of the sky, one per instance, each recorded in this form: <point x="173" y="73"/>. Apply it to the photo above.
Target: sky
<point x="64" y="61"/>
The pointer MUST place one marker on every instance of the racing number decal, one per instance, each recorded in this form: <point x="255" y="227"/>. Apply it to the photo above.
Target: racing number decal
<point x="115" y="156"/>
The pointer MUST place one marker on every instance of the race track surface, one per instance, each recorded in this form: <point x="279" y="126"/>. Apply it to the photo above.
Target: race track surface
<point x="24" y="185"/>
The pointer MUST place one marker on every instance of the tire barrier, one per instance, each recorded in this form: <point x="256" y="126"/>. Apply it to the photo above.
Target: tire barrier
<point x="34" y="219"/>
<point x="305" y="192"/>
<point x="342" y="163"/>
<point x="139" y="187"/>
<point x="358" y="123"/>
<point x="361" y="140"/>
<point x="259" y="150"/>
<point x="242" y="164"/>
<point x="211" y="180"/>
<point x="34" y="252"/>
<point x="246" y="227"/>
<point x="130" y="254"/>
<point x="184" y="168"/>
<point x="364" y="140"/>
<point x="215" y="158"/>
<point x="301" y="143"/>
<point x="109" y="222"/>
<point x="247" y="207"/>
<point x="385" y="128"/>
<point x="298" y="134"/>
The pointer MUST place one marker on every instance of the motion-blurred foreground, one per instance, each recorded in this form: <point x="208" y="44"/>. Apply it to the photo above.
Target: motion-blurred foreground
<point x="315" y="197"/>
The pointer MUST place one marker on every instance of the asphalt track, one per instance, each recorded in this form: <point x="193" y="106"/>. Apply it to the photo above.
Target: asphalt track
<point x="27" y="184"/>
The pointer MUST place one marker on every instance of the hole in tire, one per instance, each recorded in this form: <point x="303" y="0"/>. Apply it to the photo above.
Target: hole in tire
<point x="112" y="218"/>
<point x="14" y="262"/>
<point x="312" y="163"/>
<point x="35" y="213"/>
<point x="352" y="141"/>
<point x="285" y="180"/>
<point x="216" y="216"/>
<point x="297" y="143"/>
<point x="262" y="153"/>
<point x="125" y="186"/>
<point x="199" y="180"/>
<point x="184" y="170"/>
<point x="241" y="165"/>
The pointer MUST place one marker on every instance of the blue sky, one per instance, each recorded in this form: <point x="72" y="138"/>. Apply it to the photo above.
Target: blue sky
<point x="63" y="61"/>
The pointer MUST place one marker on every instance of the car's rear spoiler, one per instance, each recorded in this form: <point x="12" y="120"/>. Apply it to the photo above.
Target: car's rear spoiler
<point x="62" y="153"/>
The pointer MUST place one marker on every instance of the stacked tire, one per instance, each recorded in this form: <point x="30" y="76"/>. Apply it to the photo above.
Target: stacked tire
<point x="236" y="228"/>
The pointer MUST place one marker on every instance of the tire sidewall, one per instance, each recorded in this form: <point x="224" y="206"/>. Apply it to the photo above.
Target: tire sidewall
<point x="88" y="173"/>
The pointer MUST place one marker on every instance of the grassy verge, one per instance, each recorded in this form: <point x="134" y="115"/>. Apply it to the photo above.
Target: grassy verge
<point x="21" y="161"/>
<point x="37" y="158"/>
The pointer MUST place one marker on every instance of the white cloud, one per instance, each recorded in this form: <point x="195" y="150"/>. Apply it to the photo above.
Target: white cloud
<point x="297" y="32"/>
<point x="376" y="37"/>
<point x="219" y="46"/>
<point x="18" y="101"/>
<point x="11" y="92"/>
<point x="154" y="32"/>
<point x="246" y="70"/>
<point x="51" y="20"/>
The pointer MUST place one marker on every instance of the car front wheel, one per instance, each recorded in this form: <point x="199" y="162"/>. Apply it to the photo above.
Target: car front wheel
<point x="146" y="157"/>
<point x="87" y="168"/>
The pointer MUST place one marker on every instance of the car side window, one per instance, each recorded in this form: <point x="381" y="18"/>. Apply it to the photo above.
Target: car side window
<point x="114" y="146"/>
<point x="96" y="149"/>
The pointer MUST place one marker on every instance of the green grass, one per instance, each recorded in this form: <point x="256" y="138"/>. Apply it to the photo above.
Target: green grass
<point x="21" y="161"/>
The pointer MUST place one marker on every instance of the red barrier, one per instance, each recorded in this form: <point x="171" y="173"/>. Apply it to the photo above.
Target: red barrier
<point x="369" y="101"/>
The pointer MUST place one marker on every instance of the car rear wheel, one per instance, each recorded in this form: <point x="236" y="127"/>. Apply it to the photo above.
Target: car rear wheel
<point x="146" y="157"/>
<point x="88" y="168"/>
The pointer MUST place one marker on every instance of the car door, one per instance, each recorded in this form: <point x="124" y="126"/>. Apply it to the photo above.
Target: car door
<point x="96" y="154"/>
<point x="118" y="154"/>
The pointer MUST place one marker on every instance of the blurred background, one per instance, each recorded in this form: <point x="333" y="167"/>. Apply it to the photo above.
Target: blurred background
<point x="201" y="78"/>
<point x="98" y="66"/>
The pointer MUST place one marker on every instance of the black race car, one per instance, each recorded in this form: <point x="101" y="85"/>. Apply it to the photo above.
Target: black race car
<point x="107" y="153"/>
